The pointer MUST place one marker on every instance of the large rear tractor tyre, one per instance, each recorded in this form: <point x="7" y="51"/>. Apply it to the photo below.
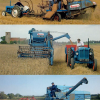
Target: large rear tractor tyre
<point x="57" y="17"/>
<point x="3" y="13"/>
<point x="91" y="57"/>
<point x="66" y="58"/>
<point x="72" y="63"/>
<point x="16" y="12"/>
<point x="95" y="65"/>
<point x="70" y="55"/>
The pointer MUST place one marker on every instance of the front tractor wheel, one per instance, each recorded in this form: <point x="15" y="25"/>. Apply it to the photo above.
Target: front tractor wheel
<point x="16" y="12"/>
<point x="57" y="17"/>
<point x="66" y="58"/>
<point x="3" y="13"/>
<point x="72" y="63"/>
<point x="95" y="65"/>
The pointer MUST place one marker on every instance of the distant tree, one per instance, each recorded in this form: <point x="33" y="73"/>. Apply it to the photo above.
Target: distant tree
<point x="11" y="96"/>
<point x="3" y="96"/>
<point x="18" y="95"/>
<point x="3" y="40"/>
<point x="13" y="42"/>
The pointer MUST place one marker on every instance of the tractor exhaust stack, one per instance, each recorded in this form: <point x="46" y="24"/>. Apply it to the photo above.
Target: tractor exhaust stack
<point x="88" y="42"/>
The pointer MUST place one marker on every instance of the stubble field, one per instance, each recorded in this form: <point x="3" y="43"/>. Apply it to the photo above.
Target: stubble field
<point x="88" y="18"/>
<point x="10" y="64"/>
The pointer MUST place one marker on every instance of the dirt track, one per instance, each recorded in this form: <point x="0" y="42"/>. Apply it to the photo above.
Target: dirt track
<point x="88" y="18"/>
<point x="10" y="64"/>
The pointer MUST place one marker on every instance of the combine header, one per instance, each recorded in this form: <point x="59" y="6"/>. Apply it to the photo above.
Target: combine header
<point x="39" y="48"/>
<point x="69" y="93"/>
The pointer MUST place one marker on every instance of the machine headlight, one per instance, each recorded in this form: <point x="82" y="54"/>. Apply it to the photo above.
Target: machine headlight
<point x="76" y="53"/>
<point x="90" y="53"/>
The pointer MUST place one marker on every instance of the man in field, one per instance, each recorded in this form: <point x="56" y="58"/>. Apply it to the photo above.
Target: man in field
<point x="79" y="43"/>
<point x="53" y="89"/>
<point x="49" y="37"/>
<point x="19" y="3"/>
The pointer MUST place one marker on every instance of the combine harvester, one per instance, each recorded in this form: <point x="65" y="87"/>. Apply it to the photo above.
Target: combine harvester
<point x="39" y="48"/>
<point x="69" y="93"/>
<point x="56" y="11"/>
<point x="68" y="9"/>
<point x="82" y="55"/>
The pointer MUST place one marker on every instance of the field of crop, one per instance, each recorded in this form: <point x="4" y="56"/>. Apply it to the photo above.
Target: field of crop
<point x="10" y="64"/>
<point x="88" y="18"/>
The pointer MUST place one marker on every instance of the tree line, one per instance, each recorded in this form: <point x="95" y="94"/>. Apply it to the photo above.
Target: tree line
<point x="3" y="41"/>
<point x="9" y="96"/>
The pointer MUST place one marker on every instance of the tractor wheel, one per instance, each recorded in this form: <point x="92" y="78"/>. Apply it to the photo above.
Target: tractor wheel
<point x="66" y="58"/>
<point x="3" y="13"/>
<point x="69" y="56"/>
<point x="91" y="57"/>
<point x="57" y="17"/>
<point x="16" y="12"/>
<point x="90" y="65"/>
<point x="72" y="63"/>
<point x="95" y="65"/>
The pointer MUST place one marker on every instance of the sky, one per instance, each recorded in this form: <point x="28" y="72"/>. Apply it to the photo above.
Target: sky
<point x="75" y="31"/>
<point x="37" y="84"/>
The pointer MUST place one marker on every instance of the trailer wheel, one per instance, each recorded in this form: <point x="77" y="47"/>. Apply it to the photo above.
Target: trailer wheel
<point x="66" y="58"/>
<point x="16" y="12"/>
<point x="57" y="17"/>
<point x="95" y="65"/>
<point x="69" y="56"/>
<point x="72" y="63"/>
<point x="3" y="13"/>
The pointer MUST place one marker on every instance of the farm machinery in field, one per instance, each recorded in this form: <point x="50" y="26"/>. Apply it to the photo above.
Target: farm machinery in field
<point x="68" y="9"/>
<point x="18" y="9"/>
<point x="39" y="48"/>
<point x="81" y="55"/>
<point x="56" y="11"/>
<point x="68" y="92"/>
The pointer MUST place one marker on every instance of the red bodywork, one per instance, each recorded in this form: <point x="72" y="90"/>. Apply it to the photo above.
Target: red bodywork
<point x="27" y="98"/>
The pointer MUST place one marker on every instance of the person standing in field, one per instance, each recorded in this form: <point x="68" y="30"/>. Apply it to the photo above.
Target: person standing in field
<point x="49" y="37"/>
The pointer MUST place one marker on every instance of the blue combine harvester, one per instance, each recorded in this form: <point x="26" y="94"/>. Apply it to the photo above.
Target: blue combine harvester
<point x="39" y="48"/>
<point x="71" y="9"/>
<point x="69" y="93"/>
